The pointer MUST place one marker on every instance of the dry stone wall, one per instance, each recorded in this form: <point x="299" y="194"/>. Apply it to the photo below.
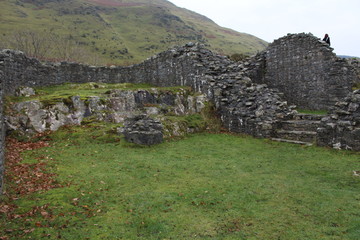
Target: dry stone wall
<point x="306" y="70"/>
<point x="2" y="130"/>
<point x="341" y="128"/>
<point x="171" y="68"/>
<point x="355" y="63"/>
<point x="245" y="107"/>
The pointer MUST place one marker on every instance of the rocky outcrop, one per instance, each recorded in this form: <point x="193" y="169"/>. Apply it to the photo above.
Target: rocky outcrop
<point x="341" y="128"/>
<point x="143" y="130"/>
<point x="34" y="116"/>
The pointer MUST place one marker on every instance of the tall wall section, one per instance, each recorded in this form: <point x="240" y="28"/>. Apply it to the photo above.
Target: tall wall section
<point x="307" y="71"/>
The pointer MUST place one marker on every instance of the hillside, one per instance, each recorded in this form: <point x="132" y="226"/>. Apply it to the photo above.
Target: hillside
<point x="111" y="31"/>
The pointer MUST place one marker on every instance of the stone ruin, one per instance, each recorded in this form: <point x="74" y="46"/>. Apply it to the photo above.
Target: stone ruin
<point x="256" y="96"/>
<point x="306" y="71"/>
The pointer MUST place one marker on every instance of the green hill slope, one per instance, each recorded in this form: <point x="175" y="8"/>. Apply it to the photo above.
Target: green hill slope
<point x="111" y="31"/>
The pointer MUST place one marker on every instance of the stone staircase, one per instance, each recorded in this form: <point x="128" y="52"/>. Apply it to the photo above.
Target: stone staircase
<point x="300" y="130"/>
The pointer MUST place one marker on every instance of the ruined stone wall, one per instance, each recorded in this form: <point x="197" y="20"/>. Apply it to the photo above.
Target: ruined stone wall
<point x="2" y="131"/>
<point x="307" y="71"/>
<point x="175" y="67"/>
<point x="302" y="68"/>
<point x="355" y="63"/>
<point x="341" y="128"/>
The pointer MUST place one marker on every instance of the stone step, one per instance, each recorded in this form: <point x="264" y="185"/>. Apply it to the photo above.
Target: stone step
<point x="292" y="141"/>
<point x="300" y="125"/>
<point x="312" y="117"/>
<point x="303" y="136"/>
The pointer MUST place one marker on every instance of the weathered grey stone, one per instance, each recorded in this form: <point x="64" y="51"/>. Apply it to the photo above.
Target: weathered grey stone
<point x="200" y="101"/>
<point x="353" y="107"/>
<point x="25" y="92"/>
<point x="28" y="106"/>
<point x="57" y="116"/>
<point x="341" y="129"/>
<point x="143" y="130"/>
<point x="306" y="70"/>
<point x="76" y="117"/>
<point x="38" y="120"/>
<point x="152" y="111"/>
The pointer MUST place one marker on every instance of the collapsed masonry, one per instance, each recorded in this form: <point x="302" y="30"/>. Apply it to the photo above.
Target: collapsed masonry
<point x="251" y="97"/>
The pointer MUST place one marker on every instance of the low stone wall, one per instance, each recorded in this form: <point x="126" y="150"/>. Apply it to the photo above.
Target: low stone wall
<point x="306" y="70"/>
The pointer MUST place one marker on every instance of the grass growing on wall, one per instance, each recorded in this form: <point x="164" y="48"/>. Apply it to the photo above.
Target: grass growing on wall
<point x="356" y="86"/>
<point x="314" y="112"/>
<point x="205" y="186"/>
<point x="56" y="93"/>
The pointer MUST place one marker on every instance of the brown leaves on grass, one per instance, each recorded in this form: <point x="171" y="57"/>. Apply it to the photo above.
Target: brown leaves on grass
<point x="24" y="178"/>
<point x="8" y="210"/>
<point x="26" y="218"/>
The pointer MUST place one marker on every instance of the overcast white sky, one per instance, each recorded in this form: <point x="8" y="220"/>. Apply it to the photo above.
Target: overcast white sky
<point x="272" y="19"/>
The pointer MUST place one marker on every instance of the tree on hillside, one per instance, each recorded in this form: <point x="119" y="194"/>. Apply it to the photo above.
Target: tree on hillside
<point x="48" y="45"/>
<point x="32" y="43"/>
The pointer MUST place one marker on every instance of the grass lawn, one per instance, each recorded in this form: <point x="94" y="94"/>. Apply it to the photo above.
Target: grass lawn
<point x="205" y="186"/>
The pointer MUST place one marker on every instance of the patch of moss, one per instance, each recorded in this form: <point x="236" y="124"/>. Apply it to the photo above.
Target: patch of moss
<point x="314" y="112"/>
<point x="211" y="118"/>
<point x="195" y="121"/>
<point x="51" y="95"/>
<point x="356" y="86"/>
<point x="88" y="120"/>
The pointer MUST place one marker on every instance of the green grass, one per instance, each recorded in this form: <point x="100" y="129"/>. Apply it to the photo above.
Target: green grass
<point x="356" y="86"/>
<point x="205" y="186"/>
<point x="53" y="94"/>
<point x="314" y="112"/>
